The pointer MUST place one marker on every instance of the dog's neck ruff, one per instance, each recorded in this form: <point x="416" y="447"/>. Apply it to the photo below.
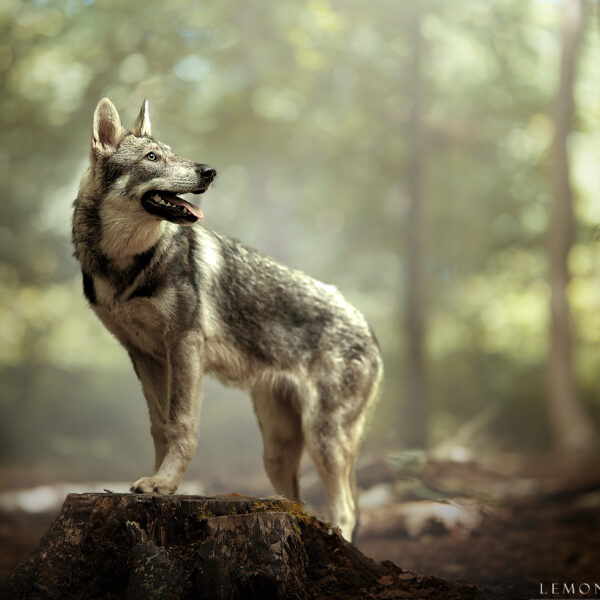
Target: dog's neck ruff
<point x="112" y="239"/>
<point x="123" y="237"/>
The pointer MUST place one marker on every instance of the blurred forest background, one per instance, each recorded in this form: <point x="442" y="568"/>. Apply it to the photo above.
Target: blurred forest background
<point x="436" y="160"/>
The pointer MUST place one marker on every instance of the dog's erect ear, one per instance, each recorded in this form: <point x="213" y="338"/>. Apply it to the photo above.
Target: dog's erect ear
<point x="141" y="127"/>
<point x="107" y="130"/>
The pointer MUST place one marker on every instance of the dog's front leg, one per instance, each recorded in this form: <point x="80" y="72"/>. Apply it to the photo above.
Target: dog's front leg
<point x="185" y="370"/>
<point x="153" y="374"/>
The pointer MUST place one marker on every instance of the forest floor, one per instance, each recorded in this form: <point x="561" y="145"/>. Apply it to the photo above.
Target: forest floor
<point x="511" y="526"/>
<point x="511" y="537"/>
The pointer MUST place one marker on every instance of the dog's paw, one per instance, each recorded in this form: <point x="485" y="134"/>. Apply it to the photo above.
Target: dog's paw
<point x="154" y="485"/>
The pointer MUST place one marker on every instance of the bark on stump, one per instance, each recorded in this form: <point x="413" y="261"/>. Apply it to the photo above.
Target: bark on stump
<point x="139" y="546"/>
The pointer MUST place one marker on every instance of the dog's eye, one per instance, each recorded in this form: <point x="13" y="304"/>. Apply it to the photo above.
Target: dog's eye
<point x="151" y="156"/>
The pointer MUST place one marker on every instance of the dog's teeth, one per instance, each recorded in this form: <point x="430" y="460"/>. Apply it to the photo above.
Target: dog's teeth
<point x="160" y="200"/>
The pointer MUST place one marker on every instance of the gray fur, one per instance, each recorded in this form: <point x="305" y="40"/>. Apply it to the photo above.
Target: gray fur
<point x="185" y="301"/>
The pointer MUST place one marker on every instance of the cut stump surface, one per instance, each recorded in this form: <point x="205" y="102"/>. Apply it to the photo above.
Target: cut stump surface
<point x="140" y="546"/>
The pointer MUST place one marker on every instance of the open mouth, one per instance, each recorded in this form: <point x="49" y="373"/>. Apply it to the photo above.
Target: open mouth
<point x="169" y="206"/>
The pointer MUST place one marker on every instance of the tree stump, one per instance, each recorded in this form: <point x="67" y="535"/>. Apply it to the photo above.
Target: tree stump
<point x="140" y="546"/>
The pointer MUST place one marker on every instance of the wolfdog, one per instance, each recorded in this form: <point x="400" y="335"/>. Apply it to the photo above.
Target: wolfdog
<point x="184" y="300"/>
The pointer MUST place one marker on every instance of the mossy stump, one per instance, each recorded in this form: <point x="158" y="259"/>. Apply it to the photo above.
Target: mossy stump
<point x="140" y="546"/>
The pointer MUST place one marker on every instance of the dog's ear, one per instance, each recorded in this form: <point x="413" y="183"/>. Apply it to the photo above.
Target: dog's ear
<point x="141" y="127"/>
<point x="107" y="130"/>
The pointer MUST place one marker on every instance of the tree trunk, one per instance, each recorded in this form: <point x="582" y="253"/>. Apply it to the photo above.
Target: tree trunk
<point x="572" y="430"/>
<point x="139" y="546"/>
<point x="416" y="401"/>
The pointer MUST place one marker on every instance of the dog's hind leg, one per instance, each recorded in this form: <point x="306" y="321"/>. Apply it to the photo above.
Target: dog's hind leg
<point x="333" y="427"/>
<point x="276" y="407"/>
<point x="334" y="452"/>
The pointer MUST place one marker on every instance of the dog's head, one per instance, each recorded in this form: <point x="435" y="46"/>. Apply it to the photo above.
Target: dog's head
<point x="135" y="167"/>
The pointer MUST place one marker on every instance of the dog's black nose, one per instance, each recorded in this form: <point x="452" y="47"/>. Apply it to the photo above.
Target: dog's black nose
<point x="206" y="172"/>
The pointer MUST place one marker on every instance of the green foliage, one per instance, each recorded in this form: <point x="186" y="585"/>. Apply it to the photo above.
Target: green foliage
<point x="303" y="109"/>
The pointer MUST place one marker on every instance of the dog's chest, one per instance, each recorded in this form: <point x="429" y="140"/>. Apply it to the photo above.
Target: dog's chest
<point x="143" y="323"/>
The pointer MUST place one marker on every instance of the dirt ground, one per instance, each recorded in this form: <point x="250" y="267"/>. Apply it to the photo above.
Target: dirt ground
<point x="516" y="554"/>
<point x="513" y="534"/>
<point x="512" y="531"/>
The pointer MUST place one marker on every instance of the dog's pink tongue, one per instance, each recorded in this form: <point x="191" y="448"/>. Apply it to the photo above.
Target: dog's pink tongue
<point x="195" y="210"/>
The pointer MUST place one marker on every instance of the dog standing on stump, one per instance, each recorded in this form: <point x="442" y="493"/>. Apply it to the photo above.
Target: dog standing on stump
<point x="185" y="301"/>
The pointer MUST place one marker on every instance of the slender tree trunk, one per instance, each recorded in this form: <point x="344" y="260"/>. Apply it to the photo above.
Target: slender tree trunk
<point x="414" y="324"/>
<point x="573" y="432"/>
